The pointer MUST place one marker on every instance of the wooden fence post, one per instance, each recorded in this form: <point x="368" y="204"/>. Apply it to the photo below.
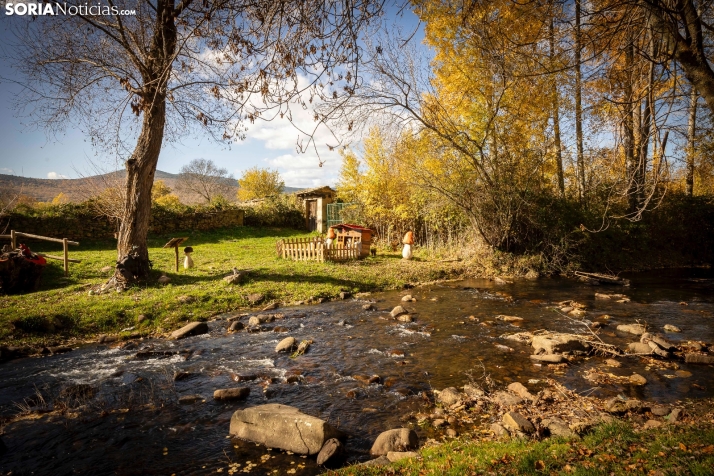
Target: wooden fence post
<point x="13" y="240"/>
<point x="65" y="248"/>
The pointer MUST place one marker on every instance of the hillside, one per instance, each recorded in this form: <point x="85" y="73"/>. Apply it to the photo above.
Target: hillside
<point x="44" y="190"/>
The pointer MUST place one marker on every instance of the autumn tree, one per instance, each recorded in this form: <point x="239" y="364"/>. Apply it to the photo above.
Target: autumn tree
<point x="133" y="81"/>
<point x="259" y="183"/>
<point x="203" y="178"/>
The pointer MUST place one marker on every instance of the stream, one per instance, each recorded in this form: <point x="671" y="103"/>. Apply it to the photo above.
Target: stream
<point x="123" y="415"/>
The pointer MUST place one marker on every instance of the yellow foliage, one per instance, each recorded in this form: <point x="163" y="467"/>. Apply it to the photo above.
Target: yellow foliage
<point x="60" y="199"/>
<point x="259" y="183"/>
<point x="169" y="200"/>
<point x="159" y="190"/>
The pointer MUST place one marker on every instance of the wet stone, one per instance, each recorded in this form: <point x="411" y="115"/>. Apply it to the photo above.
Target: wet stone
<point x="285" y="345"/>
<point x="236" y="326"/>
<point x="237" y="393"/>
<point x="671" y="328"/>
<point x="638" y="379"/>
<point x="331" y="451"/>
<point x="449" y="396"/>
<point x="699" y="359"/>
<point x="398" y="311"/>
<point x="613" y="363"/>
<point x="190" y="399"/>
<point x="549" y="358"/>
<point x="519" y="389"/>
<point x="636" y="329"/>
<point x="192" y="329"/>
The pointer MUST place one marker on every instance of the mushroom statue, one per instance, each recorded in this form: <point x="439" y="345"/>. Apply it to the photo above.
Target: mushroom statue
<point x="408" y="241"/>
<point x="188" y="261"/>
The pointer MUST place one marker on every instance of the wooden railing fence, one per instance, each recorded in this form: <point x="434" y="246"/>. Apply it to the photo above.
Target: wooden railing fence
<point x="14" y="235"/>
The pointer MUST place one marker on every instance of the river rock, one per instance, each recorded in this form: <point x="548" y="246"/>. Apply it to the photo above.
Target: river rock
<point x="345" y="295"/>
<point x="657" y="350"/>
<point x="237" y="393"/>
<point x="661" y="410"/>
<point x="613" y="363"/>
<point x="616" y="405"/>
<point x="671" y="328"/>
<point x="189" y="399"/>
<point x="637" y="329"/>
<point x="664" y="343"/>
<point x="281" y="426"/>
<point x="438" y="423"/>
<point x="558" y="343"/>
<point x="505" y="399"/>
<point x="332" y="450"/>
<point x="499" y="430"/>
<point x="270" y="307"/>
<point x="408" y="298"/>
<point x="395" y="456"/>
<point x="192" y="329"/>
<point x="519" y="389"/>
<point x="236" y="326"/>
<point x="398" y="311"/>
<point x="285" y="345"/>
<point x="368" y="307"/>
<point x="699" y="359"/>
<point x="557" y="427"/>
<point x="504" y="318"/>
<point x="405" y="318"/>
<point x="255" y="298"/>
<point x="449" y="396"/>
<point x="676" y="414"/>
<point x="260" y="319"/>
<point x="637" y="379"/>
<point x="549" y="358"/>
<point x="516" y="422"/>
<point x="398" y="439"/>
<point x="473" y="392"/>
<point x="638" y="348"/>
<point x="577" y="313"/>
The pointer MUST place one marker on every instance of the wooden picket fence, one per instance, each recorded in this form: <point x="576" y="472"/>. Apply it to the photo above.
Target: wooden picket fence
<point x="313" y="249"/>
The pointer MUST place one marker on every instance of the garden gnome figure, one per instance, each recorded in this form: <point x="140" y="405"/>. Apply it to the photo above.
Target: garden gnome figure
<point x="187" y="261"/>
<point x="408" y="242"/>
<point x="330" y="237"/>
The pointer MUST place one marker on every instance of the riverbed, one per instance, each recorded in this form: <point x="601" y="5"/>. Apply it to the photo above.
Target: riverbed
<point x="122" y="416"/>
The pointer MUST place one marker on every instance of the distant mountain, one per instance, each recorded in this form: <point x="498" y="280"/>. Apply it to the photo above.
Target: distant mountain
<point x="76" y="190"/>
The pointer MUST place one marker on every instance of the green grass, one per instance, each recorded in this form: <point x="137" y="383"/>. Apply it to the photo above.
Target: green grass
<point x="613" y="448"/>
<point x="67" y="302"/>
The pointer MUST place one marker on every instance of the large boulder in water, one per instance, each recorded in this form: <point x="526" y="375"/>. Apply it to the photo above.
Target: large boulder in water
<point x="282" y="426"/>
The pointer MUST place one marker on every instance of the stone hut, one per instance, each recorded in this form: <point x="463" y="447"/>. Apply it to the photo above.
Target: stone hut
<point x="315" y="201"/>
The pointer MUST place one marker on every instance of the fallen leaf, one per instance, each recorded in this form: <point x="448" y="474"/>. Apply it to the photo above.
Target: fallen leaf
<point x="682" y="447"/>
<point x="539" y="465"/>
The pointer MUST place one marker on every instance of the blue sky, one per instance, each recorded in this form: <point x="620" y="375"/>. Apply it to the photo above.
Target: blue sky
<point x="31" y="153"/>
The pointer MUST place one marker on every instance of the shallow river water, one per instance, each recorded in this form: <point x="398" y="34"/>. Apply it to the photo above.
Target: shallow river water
<point x="126" y="419"/>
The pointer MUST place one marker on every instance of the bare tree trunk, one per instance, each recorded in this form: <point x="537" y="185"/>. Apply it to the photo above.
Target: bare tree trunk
<point x="645" y="130"/>
<point x="132" y="250"/>
<point x="140" y="178"/>
<point x="556" y="113"/>
<point x="691" y="136"/>
<point x="580" y="160"/>
<point x="629" y="126"/>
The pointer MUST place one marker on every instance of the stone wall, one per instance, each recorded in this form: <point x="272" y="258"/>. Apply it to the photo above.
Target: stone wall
<point x="91" y="227"/>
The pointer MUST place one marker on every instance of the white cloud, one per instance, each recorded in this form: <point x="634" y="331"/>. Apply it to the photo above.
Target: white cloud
<point x="304" y="170"/>
<point x="55" y="176"/>
<point x="7" y="171"/>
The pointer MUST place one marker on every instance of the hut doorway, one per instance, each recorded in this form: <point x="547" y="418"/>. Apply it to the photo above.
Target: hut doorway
<point x="312" y="215"/>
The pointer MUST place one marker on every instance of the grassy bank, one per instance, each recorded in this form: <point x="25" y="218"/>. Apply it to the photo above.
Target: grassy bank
<point x="194" y="294"/>
<point x="610" y="449"/>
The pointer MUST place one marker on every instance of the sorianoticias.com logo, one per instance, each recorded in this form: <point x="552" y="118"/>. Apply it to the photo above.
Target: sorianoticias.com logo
<point x="22" y="8"/>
